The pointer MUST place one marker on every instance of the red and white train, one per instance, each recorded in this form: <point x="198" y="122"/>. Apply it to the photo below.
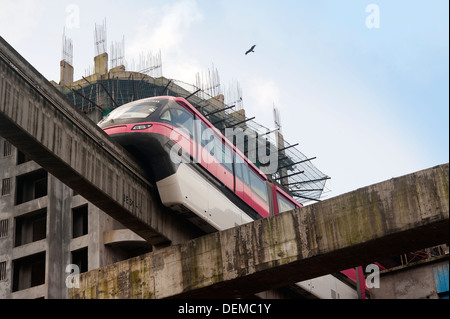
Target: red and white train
<point x="195" y="168"/>
<point x="201" y="174"/>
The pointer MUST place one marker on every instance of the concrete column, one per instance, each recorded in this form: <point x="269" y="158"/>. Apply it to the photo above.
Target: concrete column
<point x="58" y="217"/>
<point x="96" y="227"/>
<point x="66" y="73"/>
<point x="101" y="64"/>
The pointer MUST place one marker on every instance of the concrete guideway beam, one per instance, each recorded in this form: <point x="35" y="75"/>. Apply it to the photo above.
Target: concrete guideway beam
<point x="400" y="215"/>
<point x="36" y="118"/>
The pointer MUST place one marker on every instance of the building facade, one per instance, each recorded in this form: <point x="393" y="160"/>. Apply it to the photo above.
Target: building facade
<point x="48" y="232"/>
<point x="424" y="279"/>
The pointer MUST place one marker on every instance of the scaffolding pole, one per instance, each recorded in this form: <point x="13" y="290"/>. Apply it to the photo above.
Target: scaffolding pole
<point x="218" y="111"/>
<point x="241" y="122"/>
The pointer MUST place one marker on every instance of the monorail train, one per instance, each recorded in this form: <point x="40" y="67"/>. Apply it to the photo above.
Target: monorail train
<point x="201" y="174"/>
<point x="197" y="171"/>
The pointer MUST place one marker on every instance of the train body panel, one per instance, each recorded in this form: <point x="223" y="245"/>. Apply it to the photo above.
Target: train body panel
<point x="328" y="287"/>
<point x="187" y="189"/>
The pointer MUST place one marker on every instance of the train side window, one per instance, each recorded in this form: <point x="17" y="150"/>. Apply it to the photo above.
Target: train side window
<point x="258" y="186"/>
<point x="238" y="170"/>
<point x="228" y="158"/>
<point x="242" y="171"/>
<point x="207" y="136"/>
<point x="183" y="119"/>
<point x="222" y="153"/>
<point x="283" y="204"/>
<point x="166" y="116"/>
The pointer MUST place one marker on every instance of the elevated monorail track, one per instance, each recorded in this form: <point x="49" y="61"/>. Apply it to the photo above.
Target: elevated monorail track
<point x="37" y="119"/>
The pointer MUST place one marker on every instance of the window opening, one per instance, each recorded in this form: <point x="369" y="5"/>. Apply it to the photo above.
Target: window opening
<point x="7" y="149"/>
<point x="31" y="227"/>
<point x="79" y="221"/>
<point x="2" y="270"/>
<point x="80" y="258"/>
<point x="6" y="186"/>
<point x="4" y="224"/>
<point x="29" y="272"/>
<point x="31" y="186"/>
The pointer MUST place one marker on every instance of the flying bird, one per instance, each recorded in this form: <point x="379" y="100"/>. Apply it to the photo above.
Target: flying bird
<point x="251" y="50"/>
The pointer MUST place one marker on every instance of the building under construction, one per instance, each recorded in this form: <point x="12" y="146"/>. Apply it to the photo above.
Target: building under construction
<point x="106" y="89"/>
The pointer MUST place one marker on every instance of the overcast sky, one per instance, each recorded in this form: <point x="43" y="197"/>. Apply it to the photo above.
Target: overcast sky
<point x="361" y="85"/>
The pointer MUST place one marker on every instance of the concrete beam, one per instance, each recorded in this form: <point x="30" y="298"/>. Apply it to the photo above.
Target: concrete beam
<point x="390" y="218"/>
<point x="36" y="118"/>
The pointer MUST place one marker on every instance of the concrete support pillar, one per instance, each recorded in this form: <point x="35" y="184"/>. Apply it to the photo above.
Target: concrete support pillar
<point x="58" y="235"/>
<point x="66" y="73"/>
<point x="101" y="64"/>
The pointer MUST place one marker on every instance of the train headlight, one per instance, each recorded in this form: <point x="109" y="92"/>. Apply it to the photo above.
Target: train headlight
<point x="141" y="127"/>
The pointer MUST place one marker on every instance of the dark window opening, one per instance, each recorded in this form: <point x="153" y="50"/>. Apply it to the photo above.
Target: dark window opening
<point x="31" y="186"/>
<point x="2" y="270"/>
<point x="6" y="148"/>
<point x="29" y="272"/>
<point x="31" y="227"/>
<point x="22" y="157"/>
<point x="6" y="186"/>
<point x="4" y="226"/>
<point x="80" y="258"/>
<point x="79" y="221"/>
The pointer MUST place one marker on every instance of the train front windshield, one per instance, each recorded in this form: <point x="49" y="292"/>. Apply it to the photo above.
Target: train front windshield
<point x="138" y="110"/>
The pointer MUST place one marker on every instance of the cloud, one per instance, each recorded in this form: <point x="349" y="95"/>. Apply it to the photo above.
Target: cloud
<point x="260" y="95"/>
<point x="19" y="19"/>
<point x="166" y="29"/>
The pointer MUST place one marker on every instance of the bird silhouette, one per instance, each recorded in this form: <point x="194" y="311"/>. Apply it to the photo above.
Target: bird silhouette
<point x="251" y="50"/>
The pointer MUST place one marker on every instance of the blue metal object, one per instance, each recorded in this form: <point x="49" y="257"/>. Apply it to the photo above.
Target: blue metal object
<point x="441" y="280"/>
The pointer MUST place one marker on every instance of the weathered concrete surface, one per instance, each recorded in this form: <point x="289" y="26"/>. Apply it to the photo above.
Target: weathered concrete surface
<point x="412" y="281"/>
<point x="390" y="218"/>
<point x="36" y="118"/>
